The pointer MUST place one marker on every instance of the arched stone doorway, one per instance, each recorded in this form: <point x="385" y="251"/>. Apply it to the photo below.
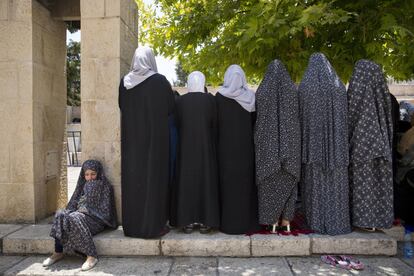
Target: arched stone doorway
<point x="33" y="95"/>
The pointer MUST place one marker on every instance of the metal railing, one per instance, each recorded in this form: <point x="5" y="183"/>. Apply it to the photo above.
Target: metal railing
<point x="74" y="147"/>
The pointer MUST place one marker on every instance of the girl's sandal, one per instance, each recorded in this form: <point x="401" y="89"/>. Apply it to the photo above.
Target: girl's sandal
<point x="335" y="261"/>
<point x="355" y="264"/>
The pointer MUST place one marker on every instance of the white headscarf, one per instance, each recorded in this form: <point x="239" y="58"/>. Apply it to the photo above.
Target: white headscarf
<point x="235" y="87"/>
<point x="143" y="66"/>
<point x="196" y="82"/>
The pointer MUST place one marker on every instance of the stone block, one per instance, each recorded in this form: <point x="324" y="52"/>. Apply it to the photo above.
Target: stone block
<point x="25" y="82"/>
<point x="129" y="43"/>
<point x="96" y="117"/>
<point x="100" y="38"/>
<point x="354" y="243"/>
<point x="254" y="266"/>
<point x="9" y="84"/>
<point x="43" y="18"/>
<point x="396" y="232"/>
<point x="19" y="207"/>
<point x="215" y="244"/>
<point x="104" y="76"/>
<point x="93" y="8"/>
<point x="6" y="262"/>
<point x="21" y="159"/>
<point x="6" y="229"/>
<point x="32" y="239"/>
<point x="4" y="163"/>
<point x="42" y="84"/>
<point x="93" y="150"/>
<point x="20" y="10"/>
<point x="21" y="131"/>
<point x="278" y="245"/>
<point x="4" y="9"/>
<point x="19" y="40"/>
<point x="194" y="266"/>
<point x="113" y="160"/>
<point x="114" y="243"/>
<point x="113" y="8"/>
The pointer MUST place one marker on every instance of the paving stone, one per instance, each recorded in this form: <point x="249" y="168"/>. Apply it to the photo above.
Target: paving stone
<point x="114" y="243"/>
<point x="106" y="266"/>
<point x="177" y="243"/>
<point x="29" y="240"/>
<point x="194" y="266"/>
<point x="6" y="229"/>
<point x="400" y="255"/>
<point x="7" y="262"/>
<point x="361" y="243"/>
<point x="254" y="266"/>
<point x="385" y="266"/>
<point x="279" y="245"/>
<point x="313" y="266"/>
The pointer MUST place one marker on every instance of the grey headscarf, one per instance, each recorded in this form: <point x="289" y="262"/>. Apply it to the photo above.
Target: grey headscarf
<point x="196" y="82"/>
<point x="143" y="66"/>
<point x="235" y="87"/>
<point x="277" y="130"/>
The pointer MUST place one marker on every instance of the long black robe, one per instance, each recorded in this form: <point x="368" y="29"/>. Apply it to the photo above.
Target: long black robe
<point x="145" y="156"/>
<point x="235" y="152"/>
<point x="195" y="197"/>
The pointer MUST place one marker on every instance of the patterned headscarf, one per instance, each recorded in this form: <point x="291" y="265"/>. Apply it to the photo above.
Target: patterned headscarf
<point x="369" y="115"/>
<point x="100" y="201"/>
<point x="277" y="130"/>
<point x="323" y="107"/>
<point x="235" y="87"/>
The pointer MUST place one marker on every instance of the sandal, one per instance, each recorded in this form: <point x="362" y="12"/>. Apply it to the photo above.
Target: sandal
<point x="335" y="261"/>
<point x="354" y="263"/>
<point x="188" y="229"/>
<point x="204" y="229"/>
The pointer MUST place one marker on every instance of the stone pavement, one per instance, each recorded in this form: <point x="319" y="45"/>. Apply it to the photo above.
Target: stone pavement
<point x="284" y="266"/>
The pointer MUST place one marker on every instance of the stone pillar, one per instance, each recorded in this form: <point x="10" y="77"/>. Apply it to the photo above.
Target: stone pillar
<point x="32" y="109"/>
<point x="109" y="38"/>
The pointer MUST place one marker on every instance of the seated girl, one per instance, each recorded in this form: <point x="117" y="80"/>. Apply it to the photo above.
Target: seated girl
<point x="90" y="210"/>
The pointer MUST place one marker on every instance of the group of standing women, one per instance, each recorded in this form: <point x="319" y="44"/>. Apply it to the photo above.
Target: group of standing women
<point x="241" y="156"/>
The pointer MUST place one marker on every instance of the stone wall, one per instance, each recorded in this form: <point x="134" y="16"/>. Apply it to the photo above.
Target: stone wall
<point x="32" y="109"/>
<point x="109" y="38"/>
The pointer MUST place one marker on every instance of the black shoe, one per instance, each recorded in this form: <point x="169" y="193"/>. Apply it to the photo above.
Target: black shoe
<point x="188" y="229"/>
<point x="204" y="229"/>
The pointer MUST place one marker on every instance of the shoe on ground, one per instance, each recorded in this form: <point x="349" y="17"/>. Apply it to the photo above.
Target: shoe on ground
<point x="188" y="229"/>
<point x="52" y="259"/>
<point x="204" y="229"/>
<point x="89" y="264"/>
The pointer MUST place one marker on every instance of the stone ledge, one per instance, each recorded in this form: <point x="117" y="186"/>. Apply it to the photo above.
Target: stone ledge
<point x="34" y="239"/>
<point x="358" y="243"/>
<point x="213" y="244"/>
<point x="278" y="245"/>
<point x="6" y="229"/>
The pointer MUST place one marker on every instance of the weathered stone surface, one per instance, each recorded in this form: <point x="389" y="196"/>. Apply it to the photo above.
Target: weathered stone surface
<point x="215" y="244"/>
<point x="313" y="266"/>
<point x="32" y="239"/>
<point x="194" y="266"/>
<point x="17" y="208"/>
<point x="354" y="243"/>
<point x="6" y="229"/>
<point x="254" y="266"/>
<point x="396" y="232"/>
<point x="93" y="8"/>
<point x="7" y="262"/>
<point x="385" y="266"/>
<point x="114" y="243"/>
<point x="400" y="254"/>
<point x="106" y="266"/>
<point x="278" y="245"/>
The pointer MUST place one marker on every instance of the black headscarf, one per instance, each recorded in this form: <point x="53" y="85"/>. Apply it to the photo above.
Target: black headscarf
<point x="99" y="195"/>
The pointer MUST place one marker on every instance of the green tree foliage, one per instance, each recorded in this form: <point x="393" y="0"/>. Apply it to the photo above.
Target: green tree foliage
<point x="181" y="75"/>
<point x="209" y="35"/>
<point x="73" y="73"/>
